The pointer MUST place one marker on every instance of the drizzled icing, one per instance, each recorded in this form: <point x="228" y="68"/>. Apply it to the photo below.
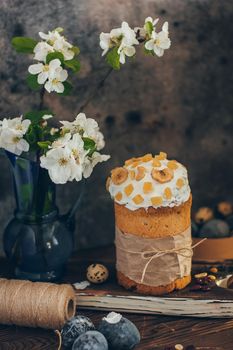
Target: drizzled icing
<point x="133" y="194"/>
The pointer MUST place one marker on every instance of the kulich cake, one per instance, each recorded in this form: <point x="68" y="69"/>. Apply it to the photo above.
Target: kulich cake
<point x="153" y="226"/>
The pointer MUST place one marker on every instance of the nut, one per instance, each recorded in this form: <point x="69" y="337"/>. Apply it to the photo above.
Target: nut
<point x="214" y="270"/>
<point x="201" y="275"/>
<point x="212" y="277"/>
<point x="179" y="347"/>
<point x="97" y="273"/>
<point x="119" y="175"/>
<point x="162" y="176"/>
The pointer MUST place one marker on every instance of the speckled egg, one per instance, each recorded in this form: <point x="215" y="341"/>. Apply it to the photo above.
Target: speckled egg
<point x="97" y="273"/>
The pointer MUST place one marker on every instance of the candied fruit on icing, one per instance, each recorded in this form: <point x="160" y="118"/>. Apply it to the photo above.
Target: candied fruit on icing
<point x="119" y="175"/>
<point x="129" y="161"/>
<point x="136" y="163"/>
<point x="167" y="193"/>
<point x="140" y="173"/>
<point x="156" y="162"/>
<point x="161" y="156"/>
<point x="118" y="196"/>
<point x="156" y="201"/>
<point x="179" y="183"/>
<point x="128" y="189"/>
<point x="132" y="174"/>
<point x="163" y="175"/>
<point x="147" y="157"/>
<point x="147" y="187"/>
<point x="138" y="199"/>
<point x="172" y="164"/>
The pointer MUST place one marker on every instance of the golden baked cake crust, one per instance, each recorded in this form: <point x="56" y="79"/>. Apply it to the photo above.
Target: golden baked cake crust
<point x="127" y="283"/>
<point x="161" y="222"/>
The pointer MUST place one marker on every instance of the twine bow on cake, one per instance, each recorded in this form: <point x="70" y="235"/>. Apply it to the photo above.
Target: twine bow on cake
<point x="154" y="254"/>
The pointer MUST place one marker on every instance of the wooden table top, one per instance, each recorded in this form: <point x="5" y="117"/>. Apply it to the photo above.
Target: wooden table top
<point x="157" y="332"/>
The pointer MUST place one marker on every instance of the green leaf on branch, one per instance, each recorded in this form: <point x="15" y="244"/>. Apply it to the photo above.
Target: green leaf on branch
<point x="67" y="88"/>
<point x="149" y="27"/>
<point x="54" y="55"/>
<point x="36" y="116"/>
<point x="113" y="58"/>
<point x="74" y="64"/>
<point x="44" y="145"/>
<point x="75" y="49"/>
<point x="89" y="145"/>
<point x="23" y="44"/>
<point x="149" y="52"/>
<point x="32" y="82"/>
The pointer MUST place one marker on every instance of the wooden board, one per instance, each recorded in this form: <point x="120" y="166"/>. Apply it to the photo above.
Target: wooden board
<point x="217" y="303"/>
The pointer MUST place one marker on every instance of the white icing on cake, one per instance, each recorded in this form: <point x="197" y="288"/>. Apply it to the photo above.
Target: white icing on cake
<point x="178" y="195"/>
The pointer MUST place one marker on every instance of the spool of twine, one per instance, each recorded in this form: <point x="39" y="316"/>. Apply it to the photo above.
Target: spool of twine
<point x="36" y="304"/>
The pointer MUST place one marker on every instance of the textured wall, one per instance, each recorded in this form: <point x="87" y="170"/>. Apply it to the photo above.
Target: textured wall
<point x="180" y="104"/>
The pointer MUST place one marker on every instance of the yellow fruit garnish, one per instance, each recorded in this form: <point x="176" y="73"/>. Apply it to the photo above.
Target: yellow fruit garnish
<point x="161" y="156"/>
<point x="138" y="199"/>
<point x="156" y="162"/>
<point x="167" y="193"/>
<point x="135" y="164"/>
<point x="179" y="183"/>
<point x="172" y="164"/>
<point x="147" y="187"/>
<point x="132" y="174"/>
<point x="147" y="157"/>
<point x="119" y="175"/>
<point x="129" y="161"/>
<point x="118" y="196"/>
<point x="128" y="189"/>
<point x="140" y="173"/>
<point x="156" y="201"/>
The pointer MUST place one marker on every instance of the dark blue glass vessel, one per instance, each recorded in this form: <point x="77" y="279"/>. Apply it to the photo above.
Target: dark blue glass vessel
<point x="37" y="240"/>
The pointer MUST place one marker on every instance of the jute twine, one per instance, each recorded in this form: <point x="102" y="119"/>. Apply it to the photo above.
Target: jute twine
<point x="36" y="304"/>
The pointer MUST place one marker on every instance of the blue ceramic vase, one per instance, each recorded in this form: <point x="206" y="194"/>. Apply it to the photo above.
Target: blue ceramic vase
<point x="38" y="241"/>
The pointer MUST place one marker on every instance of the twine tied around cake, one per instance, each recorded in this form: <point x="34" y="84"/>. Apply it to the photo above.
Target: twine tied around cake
<point x="150" y="249"/>
<point x="153" y="254"/>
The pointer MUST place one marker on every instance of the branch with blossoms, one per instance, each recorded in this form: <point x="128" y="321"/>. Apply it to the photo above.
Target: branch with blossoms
<point x="71" y="151"/>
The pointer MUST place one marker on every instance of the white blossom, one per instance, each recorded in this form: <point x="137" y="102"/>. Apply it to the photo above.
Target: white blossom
<point x="159" y="41"/>
<point x="60" y="164"/>
<point x="56" y="78"/>
<point x="76" y="146"/>
<point x="45" y="71"/>
<point x="41" y="50"/>
<point x="124" y="38"/>
<point x="153" y="21"/>
<point x="58" y="43"/>
<point x="12" y="132"/>
<point x="91" y="162"/>
<point x="47" y="116"/>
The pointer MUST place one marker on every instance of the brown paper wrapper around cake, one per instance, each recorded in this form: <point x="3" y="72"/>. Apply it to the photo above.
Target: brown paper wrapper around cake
<point x="154" y="262"/>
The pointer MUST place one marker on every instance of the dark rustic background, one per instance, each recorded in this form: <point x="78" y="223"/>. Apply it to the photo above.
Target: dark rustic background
<point x="181" y="103"/>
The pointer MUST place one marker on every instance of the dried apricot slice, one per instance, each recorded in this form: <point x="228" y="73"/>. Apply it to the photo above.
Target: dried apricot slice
<point x="140" y="173"/>
<point x="118" y="196"/>
<point x="136" y="163"/>
<point x="172" y="164"/>
<point x="119" y="175"/>
<point x="179" y="183"/>
<point x="156" y="162"/>
<point x="128" y="189"/>
<point x="138" y="199"/>
<point x="147" y="187"/>
<point x="156" y="201"/>
<point x="167" y="193"/>
<point x="162" y="176"/>
<point x="108" y="183"/>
